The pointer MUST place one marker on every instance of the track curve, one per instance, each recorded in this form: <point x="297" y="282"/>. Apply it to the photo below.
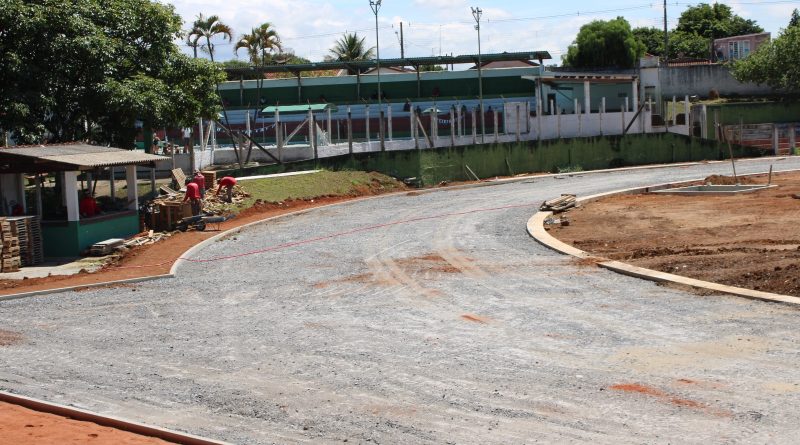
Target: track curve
<point x="456" y="327"/>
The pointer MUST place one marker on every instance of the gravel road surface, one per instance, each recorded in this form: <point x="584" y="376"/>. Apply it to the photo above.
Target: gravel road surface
<point x="451" y="327"/>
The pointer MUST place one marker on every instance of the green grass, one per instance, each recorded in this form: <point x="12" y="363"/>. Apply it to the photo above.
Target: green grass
<point x="317" y="185"/>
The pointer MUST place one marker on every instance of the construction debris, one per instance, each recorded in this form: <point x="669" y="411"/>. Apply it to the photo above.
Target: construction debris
<point x="104" y="248"/>
<point x="169" y="208"/>
<point x="565" y="202"/>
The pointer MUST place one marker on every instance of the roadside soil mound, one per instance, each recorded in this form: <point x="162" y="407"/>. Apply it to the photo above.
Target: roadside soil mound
<point x="748" y="240"/>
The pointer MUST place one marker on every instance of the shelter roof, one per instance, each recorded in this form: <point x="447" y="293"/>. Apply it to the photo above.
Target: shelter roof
<point x="409" y="61"/>
<point x="50" y="158"/>
<point x="288" y="109"/>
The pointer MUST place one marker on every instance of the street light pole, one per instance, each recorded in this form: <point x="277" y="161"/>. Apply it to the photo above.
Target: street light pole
<point x="376" y="6"/>
<point x="477" y="13"/>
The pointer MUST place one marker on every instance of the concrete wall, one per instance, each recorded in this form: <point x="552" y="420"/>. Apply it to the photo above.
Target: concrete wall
<point x="700" y="79"/>
<point x="746" y="113"/>
<point x="429" y="167"/>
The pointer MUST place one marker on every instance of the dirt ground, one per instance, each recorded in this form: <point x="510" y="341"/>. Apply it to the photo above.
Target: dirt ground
<point x="157" y="259"/>
<point x="20" y="426"/>
<point x="750" y="240"/>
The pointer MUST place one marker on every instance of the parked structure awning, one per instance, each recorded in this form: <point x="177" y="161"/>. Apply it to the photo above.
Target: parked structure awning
<point x="54" y="158"/>
<point x="289" y="109"/>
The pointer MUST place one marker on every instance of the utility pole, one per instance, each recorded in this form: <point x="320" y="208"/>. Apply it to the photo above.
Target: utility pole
<point x="376" y="6"/>
<point x="666" y="36"/>
<point x="402" y="49"/>
<point x="476" y="13"/>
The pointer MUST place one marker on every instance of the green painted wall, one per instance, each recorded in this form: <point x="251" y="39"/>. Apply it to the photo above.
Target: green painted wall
<point x="431" y="167"/>
<point x="122" y="226"/>
<point x="750" y="113"/>
<point x="68" y="239"/>
<point x="60" y="239"/>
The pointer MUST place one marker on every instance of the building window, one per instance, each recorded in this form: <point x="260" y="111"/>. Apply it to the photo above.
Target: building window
<point x="738" y="49"/>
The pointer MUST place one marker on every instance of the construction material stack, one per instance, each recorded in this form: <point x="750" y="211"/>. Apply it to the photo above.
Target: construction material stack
<point x="560" y="204"/>
<point x="10" y="248"/>
<point x="211" y="179"/>
<point x="28" y="231"/>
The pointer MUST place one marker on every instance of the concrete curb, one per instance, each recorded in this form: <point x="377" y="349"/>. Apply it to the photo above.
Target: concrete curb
<point x="108" y="421"/>
<point x="535" y="228"/>
<point x="82" y="286"/>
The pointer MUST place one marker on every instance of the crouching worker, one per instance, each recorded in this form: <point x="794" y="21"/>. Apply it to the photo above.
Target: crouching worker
<point x="193" y="196"/>
<point x="227" y="182"/>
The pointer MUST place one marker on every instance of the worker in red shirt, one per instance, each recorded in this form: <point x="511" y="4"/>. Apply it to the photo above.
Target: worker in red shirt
<point x="88" y="206"/>
<point x="200" y="180"/>
<point x="193" y="196"/>
<point x="228" y="182"/>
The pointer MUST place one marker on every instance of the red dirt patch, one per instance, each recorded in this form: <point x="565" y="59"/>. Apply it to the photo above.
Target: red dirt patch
<point x="748" y="240"/>
<point x="430" y="262"/>
<point x="364" y="278"/>
<point x="19" y="425"/>
<point x="657" y="393"/>
<point x="475" y="319"/>
<point x="729" y="180"/>
<point x="9" y="338"/>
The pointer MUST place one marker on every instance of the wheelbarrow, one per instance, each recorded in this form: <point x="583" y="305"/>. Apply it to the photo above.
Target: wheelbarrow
<point x="200" y="222"/>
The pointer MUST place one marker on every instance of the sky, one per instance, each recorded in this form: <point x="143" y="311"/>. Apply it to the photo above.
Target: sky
<point x="310" y="28"/>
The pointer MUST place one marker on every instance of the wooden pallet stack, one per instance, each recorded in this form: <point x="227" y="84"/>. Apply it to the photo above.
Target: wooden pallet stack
<point x="10" y="261"/>
<point x="28" y="231"/>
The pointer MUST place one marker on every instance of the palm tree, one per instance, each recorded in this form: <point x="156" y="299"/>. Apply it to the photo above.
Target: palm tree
<point x="208" y="27"/>
<point x="191" y="41"/>
<point x="350" y="48"/>
<point x="261" y="41"/>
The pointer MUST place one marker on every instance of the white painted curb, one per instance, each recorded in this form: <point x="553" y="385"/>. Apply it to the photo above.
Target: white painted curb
<point x="109" y="421"/>
<point x="535" y="227"/>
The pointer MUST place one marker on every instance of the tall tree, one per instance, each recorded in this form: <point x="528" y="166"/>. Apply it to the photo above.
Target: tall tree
<point x="260" y="45"/>
<point x="715" y="21"/>
<point x="605" y="44"/>
<point x="795" y="20"/>
<point x="207" y="28"/>
<point x="774" y="63"/>
<point x="105" y="62"/>
<point x="350" y="48"/>
<point x="652" y="38"/>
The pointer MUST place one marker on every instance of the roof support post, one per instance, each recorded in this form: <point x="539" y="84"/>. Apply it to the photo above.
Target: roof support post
<point x="419" y="82"/>
<point x="358" y="84"/>
<point x="299" y="87"/>
<point x="587" y="97"/>
<point x="39" y="195"/>
<point x="71" y="195"/>
<point x="21" y="192"/>
<point x="133" y="192"/>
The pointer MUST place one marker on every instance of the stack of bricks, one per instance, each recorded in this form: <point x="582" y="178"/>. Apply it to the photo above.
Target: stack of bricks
<point x="211" y="179"/>
<point x="10" y="248"/>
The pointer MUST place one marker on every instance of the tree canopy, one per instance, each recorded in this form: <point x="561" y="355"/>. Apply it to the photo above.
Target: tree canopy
<point x="605" y="43"/>
<point x="204" y="29"/>
<point x="101" y="64"/>
<point x="652" y="38"/>
<point x="351" y="48"/>
<point x="774" y="63"/>
<point x="795" y="20"/>
<point x="714" y="22"/>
